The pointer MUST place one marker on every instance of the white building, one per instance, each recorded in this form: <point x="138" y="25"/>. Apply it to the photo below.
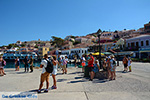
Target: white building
<point x="140" y="45"/>
<point x="142" y="41"/>
<point x="75" y="51"/>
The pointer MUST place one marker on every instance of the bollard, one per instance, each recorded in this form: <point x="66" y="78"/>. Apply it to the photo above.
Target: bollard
<point x="86" y="71"/>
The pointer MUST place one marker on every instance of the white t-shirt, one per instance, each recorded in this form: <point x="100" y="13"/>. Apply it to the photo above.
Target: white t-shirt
<point x="129" y="62"/>
<point x="44" y="63"/>
<point x="83" y="60"/>
<point x="67" y="60"/>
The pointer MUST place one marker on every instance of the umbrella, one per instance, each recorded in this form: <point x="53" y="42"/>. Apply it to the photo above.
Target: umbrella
<point x="97" y="53"/>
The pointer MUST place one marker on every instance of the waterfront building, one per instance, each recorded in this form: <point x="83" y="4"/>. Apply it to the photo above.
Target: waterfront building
<point x="75" y="52"/>
<point x="42" y="51"/>
<point x="140" y="45"/>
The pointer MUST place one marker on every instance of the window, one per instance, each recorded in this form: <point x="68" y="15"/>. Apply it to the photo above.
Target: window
<point x="141" y="43"/>
<point x="137" y="44"/>
<point x="147" y="42"/>
<point x="45" y="49"/>
<point x="128" y="44"/>
<point x="132" y="44"/>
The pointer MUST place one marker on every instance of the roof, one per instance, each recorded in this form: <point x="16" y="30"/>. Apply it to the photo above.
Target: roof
<point x="140" y="36"/>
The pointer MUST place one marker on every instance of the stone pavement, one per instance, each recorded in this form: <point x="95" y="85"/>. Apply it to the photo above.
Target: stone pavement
<point x="72" y="86"/>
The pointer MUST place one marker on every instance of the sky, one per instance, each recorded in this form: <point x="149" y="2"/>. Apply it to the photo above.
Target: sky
<point x="27" y="20"/>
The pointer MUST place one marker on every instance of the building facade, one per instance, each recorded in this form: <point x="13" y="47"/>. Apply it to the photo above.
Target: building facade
<point x="140" y="45"/>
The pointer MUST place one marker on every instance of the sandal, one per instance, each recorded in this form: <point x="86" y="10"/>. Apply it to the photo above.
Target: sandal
<point x="54" y="87"/>
<point x="39" y="91"/>
<point x="46" y="90"/>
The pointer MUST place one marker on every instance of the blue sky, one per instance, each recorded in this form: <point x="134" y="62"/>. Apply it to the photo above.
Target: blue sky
<point x="27" y="20"/>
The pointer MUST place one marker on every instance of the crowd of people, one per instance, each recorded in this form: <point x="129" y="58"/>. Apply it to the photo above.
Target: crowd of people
<point x="57" y="63"/>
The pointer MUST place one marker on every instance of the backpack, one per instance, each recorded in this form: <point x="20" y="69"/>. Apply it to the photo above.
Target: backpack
<point x="114" y="62"/>
<point x="3" y="63"/>
<point x="49" y="67"/>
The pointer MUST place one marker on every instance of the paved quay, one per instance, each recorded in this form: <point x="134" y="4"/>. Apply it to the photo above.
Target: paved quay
<point x="72" y="86"/>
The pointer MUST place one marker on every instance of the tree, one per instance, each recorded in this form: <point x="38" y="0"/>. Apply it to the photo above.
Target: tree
<point x="76" y="43"/>
<point x="116" y="31"/>
<point x="22" y="45"/>
<point x="58" y="41"/>
<point x="35" y="46"/>
<point x="73" y="37"/>
<point x="10" y="46"/>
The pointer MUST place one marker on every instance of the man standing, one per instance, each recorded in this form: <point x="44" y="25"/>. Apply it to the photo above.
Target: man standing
<point x="59" y="62"/>
<point x="45" y="75"/>
<point x="26" y="63"/>
<point x="91" y="65"/>
<point x="31" y="64"/>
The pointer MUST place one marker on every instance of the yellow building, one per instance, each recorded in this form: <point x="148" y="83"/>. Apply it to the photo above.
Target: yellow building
<point x="43" y="50"/>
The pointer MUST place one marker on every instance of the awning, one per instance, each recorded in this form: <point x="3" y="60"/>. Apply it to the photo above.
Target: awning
<point x="97" y="53"/>
<point x="124" y="53"/>
<point x="145" y="51"/>
<point x="107" y="53"/>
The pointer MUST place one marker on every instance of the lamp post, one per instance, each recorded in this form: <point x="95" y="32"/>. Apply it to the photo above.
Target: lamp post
<point x="99" y="34"/>
<point x="117" y="57"/>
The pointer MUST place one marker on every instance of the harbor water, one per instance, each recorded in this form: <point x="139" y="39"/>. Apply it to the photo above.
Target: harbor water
<point x="11" y="64"/>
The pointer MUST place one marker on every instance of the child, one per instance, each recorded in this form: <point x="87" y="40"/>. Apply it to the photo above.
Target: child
<point x="129" y="64"/>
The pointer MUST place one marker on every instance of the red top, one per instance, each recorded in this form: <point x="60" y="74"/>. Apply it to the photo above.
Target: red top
<point x="91" y="62"/>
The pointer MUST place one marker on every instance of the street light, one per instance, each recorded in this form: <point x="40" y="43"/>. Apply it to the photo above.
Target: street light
<point x="117" y="55"/>
<point x="99" y="32"/>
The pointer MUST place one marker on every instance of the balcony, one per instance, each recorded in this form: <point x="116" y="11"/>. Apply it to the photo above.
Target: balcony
<point x="131" y="49"/>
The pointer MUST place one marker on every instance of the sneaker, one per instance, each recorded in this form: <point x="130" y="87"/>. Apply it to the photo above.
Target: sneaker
<point x="46" y="90"/>
<point x="90" y="79"/>
<point x="39" y="91"/>
<point x="54" y="87"/>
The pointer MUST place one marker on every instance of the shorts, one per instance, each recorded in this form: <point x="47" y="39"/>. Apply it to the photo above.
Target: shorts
<point x="91" y="69"/>
<point x="63" y="67"/>
<point x="125" y="65"/>
<point x="45" y="76"/>
<point x="54" y="71"/>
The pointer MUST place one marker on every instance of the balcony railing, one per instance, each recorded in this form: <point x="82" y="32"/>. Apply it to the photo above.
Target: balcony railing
<point x="131" y="49"/>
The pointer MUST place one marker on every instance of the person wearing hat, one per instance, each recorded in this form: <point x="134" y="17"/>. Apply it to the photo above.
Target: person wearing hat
<point x="2" y="64"/>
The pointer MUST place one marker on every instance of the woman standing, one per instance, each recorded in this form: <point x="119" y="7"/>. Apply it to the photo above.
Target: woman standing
<point x="17" y="64"/>
<point x="83" y="62"/>
<point x="55" y="65"/>
<point x="2" y="64"/>
<point x="95" y="70"/>
<point x="108" y="67"/>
